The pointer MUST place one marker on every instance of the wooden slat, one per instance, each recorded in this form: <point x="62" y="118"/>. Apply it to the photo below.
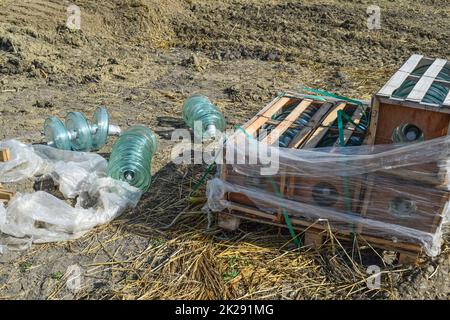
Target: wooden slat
<point x="6" y="195"/>
<point x="275" y="134"/>
<point x="435" y="68"/>
<point x="411" y="63"/>
<point x="400" y="76"/>
<point x="424" y="83"/>
<point x="4" y="155"/>
<point x="321" y="131"/>
<point x="312" y="125"/>
<point x="300" y="224"/>
<point x="259" y="120"/>
<point x="394" y="83"/>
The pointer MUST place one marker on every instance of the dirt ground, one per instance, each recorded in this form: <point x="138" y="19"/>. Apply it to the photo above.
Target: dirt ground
<point x="141" y="59"/>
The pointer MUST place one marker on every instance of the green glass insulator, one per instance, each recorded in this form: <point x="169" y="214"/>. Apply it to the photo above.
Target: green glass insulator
<point x="56" y="134"/>
<point x="100" y="128"/>
<point x="436" y="94"/>
<point x="407" y="133"/>
<point x="132" y="155"/>
<point x="79" y="131"/>
<point x="199" y="108"/>
<point x="403" y="91"/>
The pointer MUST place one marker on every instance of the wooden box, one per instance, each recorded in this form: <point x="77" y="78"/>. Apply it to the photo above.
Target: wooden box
<point x="369" y="196"/>
<point x="416" y="103"/>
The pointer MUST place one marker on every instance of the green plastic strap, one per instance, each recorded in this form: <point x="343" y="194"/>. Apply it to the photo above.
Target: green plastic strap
<point x="336" y="96"/>
<point x="345" y="180"/>
<point x="341" y="128"/>
<point x="203" y="178"/>
<point x="287" y="219"/>
<point x="349" y="119"/>
<point x="206" y="173"/>
<point x="333" y="95"/>
<point x="309" y="96"/>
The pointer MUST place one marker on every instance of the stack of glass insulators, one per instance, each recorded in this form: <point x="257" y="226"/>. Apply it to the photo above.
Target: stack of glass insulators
<point x="201" y="115"/>
<point x="355" y="140"/>
<point x="78" y="133"/>
<point x="131" y="157"/>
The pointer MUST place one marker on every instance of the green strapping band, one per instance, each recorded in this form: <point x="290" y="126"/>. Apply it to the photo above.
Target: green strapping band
<point x="206" y="173"/>
<point x="287" y="219"/>
<point x="333" y="95"/>
<point x="203" y="178"/>
<point x="336" y="96"/>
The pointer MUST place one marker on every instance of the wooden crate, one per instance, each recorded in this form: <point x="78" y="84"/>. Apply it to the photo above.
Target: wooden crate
<point x="362" y="189"/>
<point x="404" y="203"/>
<point x="321" y="125"/>
<point x="390" y="111"/>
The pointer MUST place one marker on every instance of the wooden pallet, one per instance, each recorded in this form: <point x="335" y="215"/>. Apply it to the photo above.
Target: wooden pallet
<point x="321" y="125"/>
<point x="315" y="234"/>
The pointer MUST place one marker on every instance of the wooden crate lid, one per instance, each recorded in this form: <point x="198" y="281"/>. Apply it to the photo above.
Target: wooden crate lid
<point x="310" y="134"/>
<point x="423" y="82"/>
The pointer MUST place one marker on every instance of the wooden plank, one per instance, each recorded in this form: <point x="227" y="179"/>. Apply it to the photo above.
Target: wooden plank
<point x="5" y="155"/>
<point x="435" y="68"/>
<point x="423" y="85"/>
<point x="321" y="131"/>
<point x="275" y="134"/>
<point x="411" y="63"/>
<point x="374" y="112"/>
<point x="6" y="195"/>
<point x="400" y="76"/>
<point x="259" y="120"/>
<point x="313" y="124"/>
<point x="252" y="214"/>
<point x="391" y="115"/>
<point x="413" y="104"/>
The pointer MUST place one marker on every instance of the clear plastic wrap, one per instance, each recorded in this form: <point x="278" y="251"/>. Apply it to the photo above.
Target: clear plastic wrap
<point x="24" y="162"/>
<point x="41" y="217"/>
<point x="397" y="193"/>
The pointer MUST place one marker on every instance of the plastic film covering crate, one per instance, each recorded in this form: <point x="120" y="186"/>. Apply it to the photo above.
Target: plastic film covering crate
<point x="376" y="192"/>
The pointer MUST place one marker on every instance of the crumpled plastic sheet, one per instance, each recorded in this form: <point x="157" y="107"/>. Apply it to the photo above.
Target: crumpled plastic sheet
<point x="404" y="189"/>
<point x="40" y="217"/>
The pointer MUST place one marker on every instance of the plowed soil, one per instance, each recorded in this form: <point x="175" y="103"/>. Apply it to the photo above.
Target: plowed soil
<point x="141" y="59"/>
